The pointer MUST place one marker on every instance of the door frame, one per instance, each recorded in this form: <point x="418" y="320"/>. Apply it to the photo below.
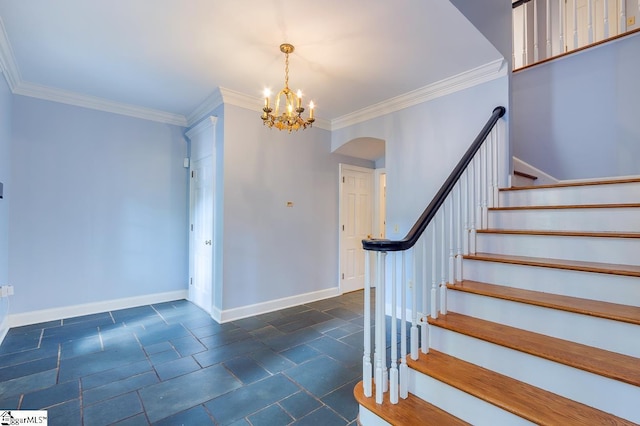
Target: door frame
<point x="341" y="212"/>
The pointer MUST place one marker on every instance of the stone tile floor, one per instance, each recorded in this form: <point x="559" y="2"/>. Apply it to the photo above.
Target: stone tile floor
<point x="171" y="364"/>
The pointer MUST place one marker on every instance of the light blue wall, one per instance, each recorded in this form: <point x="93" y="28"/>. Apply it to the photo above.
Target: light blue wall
<point x="423" y="145"/>
<point x="272" y="251"/>
<point x="577" y="117"/>
<point x="98" y="206"/>
<point x="5" y="174"/>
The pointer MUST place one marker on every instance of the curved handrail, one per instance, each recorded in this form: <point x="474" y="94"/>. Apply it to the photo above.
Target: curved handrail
<point x="429" y="213"/>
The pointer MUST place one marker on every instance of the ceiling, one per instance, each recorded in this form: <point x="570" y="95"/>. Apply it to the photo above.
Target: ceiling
<point x="171" y="55"/>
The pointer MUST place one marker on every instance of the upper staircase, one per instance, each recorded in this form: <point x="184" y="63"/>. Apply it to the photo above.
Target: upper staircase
<point x="543" y="325"/>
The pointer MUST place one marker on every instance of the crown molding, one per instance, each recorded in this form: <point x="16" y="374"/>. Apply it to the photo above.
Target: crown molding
<point x="211" y="102"/>
<point x="464" y="80"/>
<point x="7" y="60"/>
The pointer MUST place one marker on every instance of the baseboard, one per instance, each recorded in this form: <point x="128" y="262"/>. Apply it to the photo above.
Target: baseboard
<point x="44" y="315"/>
<point x="4" y="328"/>
<point x="227" y="315"/>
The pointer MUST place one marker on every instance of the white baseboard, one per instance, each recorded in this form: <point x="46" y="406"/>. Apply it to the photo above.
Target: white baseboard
<point x="44" y="315"/>
<point x="4" y="328"/>
<point x="227" y="315"/>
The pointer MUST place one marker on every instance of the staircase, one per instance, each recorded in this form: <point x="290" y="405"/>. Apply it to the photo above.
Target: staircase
<point x="544" y="326"/>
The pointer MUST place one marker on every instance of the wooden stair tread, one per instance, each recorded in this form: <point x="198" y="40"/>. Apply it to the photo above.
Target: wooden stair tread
<point x="605" y="363"/>
<point x="410" y="411"/>
<point x="574" y="184"/>
<point x="605" y="234"/>
<point x="568" y="206"/>
<point x="596" y="308"/>
<point x="573" y="265"/>
<point x="534" y="404"/>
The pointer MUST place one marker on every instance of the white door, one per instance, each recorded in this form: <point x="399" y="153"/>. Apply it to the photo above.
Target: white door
<point x="202" y="233"/>
<point x="356" y="224"/>
<point x="202" y="242"/>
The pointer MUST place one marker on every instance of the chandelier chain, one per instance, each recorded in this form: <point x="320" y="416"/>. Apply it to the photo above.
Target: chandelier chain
<point x="286" y="71"/>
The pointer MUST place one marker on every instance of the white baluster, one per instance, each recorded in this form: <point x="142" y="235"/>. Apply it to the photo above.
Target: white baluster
<point x="548" y="36"/>
<point x="443" y="280"/>
<point x="366" y="358"/>
<point x="451" y="239"/>
<point x="495" y="156"/>
<point x="561" y="26"/>
<point x="404" y="369"/>
<point x="472" y="205"/>
<point x="589" y="22"/>
<point x="536" y="55"/>
<point x="525" y="41"/>
<point x="622" y="26"/>
<point x="575" y="24"/>
<point x="484" y="184"/>
<point x="434" y="288"/>
<point x="393" y="373"/>
<point x="606" y="19"/>
<point x="380" y="329"/>
<point x="465" y="212"/>
<point x="424" y="328"/>
<point x="461" y="230"/>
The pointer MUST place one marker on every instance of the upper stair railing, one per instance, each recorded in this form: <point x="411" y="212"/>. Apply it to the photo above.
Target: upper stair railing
<point x="431" y="251"/>
<point x="544" y="29"/>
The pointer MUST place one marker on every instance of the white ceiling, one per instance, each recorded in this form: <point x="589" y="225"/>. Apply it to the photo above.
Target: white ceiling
<point x="170" y="55"/>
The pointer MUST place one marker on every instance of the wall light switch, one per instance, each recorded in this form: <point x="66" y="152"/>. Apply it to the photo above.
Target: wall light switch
<point x="631" y="20"/>
<point x="289" y="203"/>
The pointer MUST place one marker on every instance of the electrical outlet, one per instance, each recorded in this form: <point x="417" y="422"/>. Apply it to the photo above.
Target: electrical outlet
<point x="10" y="290"/>
<point x="631" y="20"/>
<point x="4" y="291"/>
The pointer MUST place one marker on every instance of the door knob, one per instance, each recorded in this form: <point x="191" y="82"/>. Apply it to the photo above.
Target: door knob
<point x="208" y="242"/>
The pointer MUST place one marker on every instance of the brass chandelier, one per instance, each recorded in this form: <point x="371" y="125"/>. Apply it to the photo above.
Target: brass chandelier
<point x="291" y="117"/>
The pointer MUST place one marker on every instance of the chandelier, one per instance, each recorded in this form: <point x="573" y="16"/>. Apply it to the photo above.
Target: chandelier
<point x="291" y="117"/>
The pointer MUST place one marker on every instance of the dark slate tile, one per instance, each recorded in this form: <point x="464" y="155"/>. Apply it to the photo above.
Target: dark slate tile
<point x="85" y="365"/>
<point x="160" y="333"/>
<point x="342" y="401"/>
<point x="188" y="345"/>
<point x="355" y="340"/>
<point x="108" y="376"/>
<point x="300" y="354"/>
<point x="300" y="404"/>
<point x="321" y="417"/>
<point x="10" y="403"/>
<point x="251" y="324"/>
<point x="162" y="357"/>
<point x="240" y="422"/>
<point x="123" y="315"/>
<point x="321" y="375"/>
<point x="225" y="338"/>
<point x="65" y="414"/>
<point x="118" y="387"/>
<point x="246" y="369"/>
<point x="272" y="415"/>
<point x="193" y="416"/>
<point x="227" y="352"/>
<point x="337" y="333"/>
<point x="112" y="410"/>
<point x="343" y="313"/>
<point x="118" y="337"/>
<point x="329" y="325"/>
<point x="71" y="331"/>
<point x="26" y="384"/>
<point x="192" y="322"/>
<point x="337" y="350"/>
<point x="212" y="329"/>
<point x="31" y="327"/>
<point x="44" y="398"/>
<point x="290" y="340"/>
<point x="169" y="397"/>
<point x="175" y="368"/>
<point x="251" y="398"/>
<point x="28" y="368"/>
<point x="28" y="355"/>
<point x="77" y="347"/>
<point x="137" y="420"/>
<point x="266" y="332"/>
<point x="271" y="361"/>
<point x="18" y="342"/>
<point x="97" y="319"/>
<point x="158" y="347"/>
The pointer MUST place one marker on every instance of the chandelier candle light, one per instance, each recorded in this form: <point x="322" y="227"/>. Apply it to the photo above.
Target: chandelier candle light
<point x="291" y="117"/>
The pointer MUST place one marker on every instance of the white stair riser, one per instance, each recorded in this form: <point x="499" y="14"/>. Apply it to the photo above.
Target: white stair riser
<point x="367" y="418"/>
<point x="591" y="389"/>
<point x="620" y="193"/>
<point x="460" y="404"/>
<point x="625" y="219"/>
<point x="602" y="333"/>
<point x="589" y="249"/>
<point x="586" y="285"/>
